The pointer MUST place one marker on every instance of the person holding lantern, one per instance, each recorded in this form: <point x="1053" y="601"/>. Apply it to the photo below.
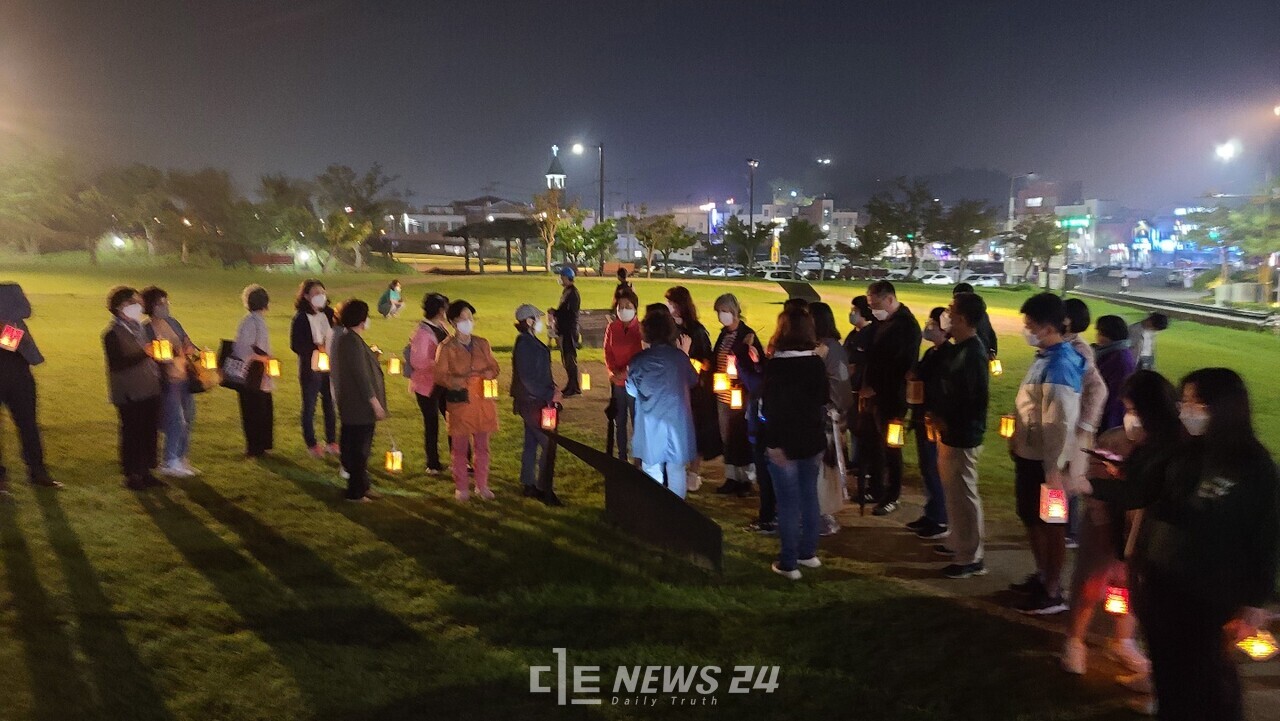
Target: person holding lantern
<point x="253" y="347"/>
<point x="1149" y="434"/>
<point x="960" y="387"/>
<point x="730" y="350"/>
<point x="1043" y="446"/>
<point x="793" y="402"/>
<point x="693" y="339"/>
<point x="309" y="337"/>
<point x="18" y="354"/>
<point x="1205" y="558"/>
<point x="178" y="405"/>
<point x="426" y="340"/>
<point x="464" y="362"/>
<point x="359" y="392"/>
<point x="622" y="341"/>
<point x="660" y="378"/>
<point x="932" y="524"/>
<point x="893" y="350"/>
<point x="533" y="393"/>
<point x="134" y="380"/>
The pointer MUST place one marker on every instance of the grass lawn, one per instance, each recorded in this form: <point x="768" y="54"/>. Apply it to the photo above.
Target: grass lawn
<point x="253" y="593"/>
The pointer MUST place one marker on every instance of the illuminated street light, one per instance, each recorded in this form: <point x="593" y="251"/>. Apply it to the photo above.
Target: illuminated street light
<point x="1276" y="110"/>
<point x="117" y="241"/>
<point x="186" y="222"/>
<point x="1228" y="151"/>
<point x="824" y="161"/>
<point x="578" y="149"/>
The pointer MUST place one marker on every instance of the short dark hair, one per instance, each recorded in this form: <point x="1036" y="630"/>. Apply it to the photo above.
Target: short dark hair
<point x="392" y="285"/>
<point x="971" y="307"/>
<point x="882" y="287"/>
<point x="961" y="288"/>
<point x="456" y="308"/>
<point x="302" y="302"/>
<point x="625" y="294"/>
<point x="1078" y="313"/>
<point x="863" y="306"/>
<point x="119" y="296"/>
<point x="1046" y="309"/>
<point x="1159" y="321"/>
<point x="151" y="296"/>
<point x="433" y="303"/>
<point x="1112" y="327"/>
<point x="824" y="321"/>
<point x="794" y="332"/>
<point x="658" y="327"/>
<point x="622" y="273"/>
<point x="255" y="298"/>
<point x="935" y="315"/>
<point x="353" y="312"/>
<point x="799" y="305"/>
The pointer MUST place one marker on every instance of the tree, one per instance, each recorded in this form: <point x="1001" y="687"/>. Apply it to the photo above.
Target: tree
<point x="1039" y="240"/>
<point x="600" y="240"/>
<point x="210" y="211"/>
<point x="288" y="211"/>
<point x="744" y="240"/>
<point x="872" y="242"/>
<point x="29" y="194"/>
<point x="798" y="235"/>
<point x="571" y="235"/>
<point x="139" y="197"/>
<point x="342" y="232"/>
<point x="962" y="226"/>
<point x="367" y="198"/>
<point x="1212" y="230"/>
<point x="652" y="233"/>
<point x="678" y="239"/>
<point x="904" y="212"/>
<point x="547" y="212"/>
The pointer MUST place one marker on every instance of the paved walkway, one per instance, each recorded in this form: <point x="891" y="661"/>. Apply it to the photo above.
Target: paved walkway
<point x="886" y="545"/>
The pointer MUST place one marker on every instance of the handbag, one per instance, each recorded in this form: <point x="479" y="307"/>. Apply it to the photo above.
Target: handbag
<point x="236" y="373"/>
<point x="461" y="395"/>
<point x="199" y="378"/>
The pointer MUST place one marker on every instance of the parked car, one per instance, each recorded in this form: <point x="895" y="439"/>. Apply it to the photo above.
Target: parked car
<point x="986" y="280"/>
<point x="935" y="279"/>
<point x="725" y="273"/>
<point x="1077" y="269"/>
<point x="691" y="270"/>
<point x="777" y="275"/>
<point x="898" y="275"/>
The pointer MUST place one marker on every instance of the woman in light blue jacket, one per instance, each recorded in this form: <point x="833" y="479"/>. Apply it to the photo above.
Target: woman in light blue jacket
<point x="660" y="378"/>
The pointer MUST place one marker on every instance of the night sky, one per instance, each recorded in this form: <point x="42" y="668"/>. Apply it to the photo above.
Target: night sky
<point x="1128" y="96"/>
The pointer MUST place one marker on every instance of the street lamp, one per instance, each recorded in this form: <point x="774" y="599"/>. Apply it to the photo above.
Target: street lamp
<point x="1228" y="151"/>
<point x="579" y="149"/>
<point x="752" y="164"/>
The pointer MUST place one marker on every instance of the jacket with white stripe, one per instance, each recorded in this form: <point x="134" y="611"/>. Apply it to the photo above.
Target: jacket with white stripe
<point x="1048" y="407"/>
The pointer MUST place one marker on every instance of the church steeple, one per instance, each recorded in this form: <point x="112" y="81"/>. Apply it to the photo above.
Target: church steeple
<point x="555" y="173"/>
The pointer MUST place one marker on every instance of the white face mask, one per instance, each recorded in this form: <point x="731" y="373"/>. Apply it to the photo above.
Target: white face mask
<point x="1132" y="426"/>
<point x="934" y="334"/>
<point x="626" y="315"/>
<point x="726" y="318"/>
<point x="133" y="312"/>
<point x="465" y="326"/>
<point x="854" y="317"/>
<point x="540" y="325"/>
<point x="1195" y="422"/>
<point x="944" y="322"/>
<point x="1032" y="339"/>
<point x="365" y="325"/>
<point x="880" y="314"/>
<point x="318" y="301"/>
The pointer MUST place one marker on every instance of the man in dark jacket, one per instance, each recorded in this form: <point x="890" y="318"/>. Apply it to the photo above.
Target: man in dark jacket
<point x="986" y="333"/>
<point x="893" y="350"/>
<point x="961" y="416"/>
<point x="18" y="385"/>
<point x="566" y="318"/>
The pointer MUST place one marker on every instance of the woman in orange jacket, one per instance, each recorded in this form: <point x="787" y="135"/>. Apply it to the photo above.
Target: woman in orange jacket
<point x="463" y="362"/>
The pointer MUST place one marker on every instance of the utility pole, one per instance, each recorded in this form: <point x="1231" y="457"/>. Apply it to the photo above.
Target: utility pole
<point x="752" y="164"/>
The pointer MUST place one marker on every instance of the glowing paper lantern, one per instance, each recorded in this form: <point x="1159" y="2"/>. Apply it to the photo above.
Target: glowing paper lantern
<point x="209" y="360"/>
<point x="393" y="366"/>
<point x="1117" y="600"/>
<point x="1007" y="424"/>
<point x="720" y="382"/>
<point x="10" y="337"/>
<point x="320" y="361"/>
<point x="731" y="367"/>
<point x="896" y="435"/>
<point x="395" y="460"/>
<point x="585" y="383"/>
<point x="162" y="350"/>
<point x="491" y="388"/>
<point x="931" y="429"/>
<point x="997" y="368"/>
<point x="735" y="398"/>
<point x="550" y="418"/>
<point x="1261" y="646"/>
<point x="697" y="365"/>
<point x="1053" y="504"/>
<point x="273" y="368"/>
<point x="915" y="392"/>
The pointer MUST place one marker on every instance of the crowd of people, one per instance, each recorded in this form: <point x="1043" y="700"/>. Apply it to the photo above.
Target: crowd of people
<point x="1165" y="492"/>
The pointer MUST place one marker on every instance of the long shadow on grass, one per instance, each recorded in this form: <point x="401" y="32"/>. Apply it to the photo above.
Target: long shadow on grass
<point x="58" y="690"/>
<point x="125" y="688"/>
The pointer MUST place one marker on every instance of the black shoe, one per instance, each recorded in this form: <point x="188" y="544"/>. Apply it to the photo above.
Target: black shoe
<point x="551" y="499"/>
<point x="532" y="492"/>
<point x="151" y="481"/>
<point x="933" y="532"/>
<point x="943" y="551"/>
<point x="729" y="486"/>
<point x="570" y="393"/>
<point x="764" y="529"/>
<point x="921" y="522"/>
<point x="965" y="570"/>
<point x="1042" y="604"/>
<point x="1030" y="584"/>
<point x="885" y="509"/>
<point x="435" y="470"/>
<point x="135" y="483"/>
<point x="44" y="481"/>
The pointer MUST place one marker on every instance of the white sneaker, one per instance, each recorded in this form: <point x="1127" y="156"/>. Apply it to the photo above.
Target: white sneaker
<point x="693" y="481"/>
<point x="342" y="473"/>
<point x="190" y="468"/>
<point x="1074" y="656"/>
<point x="793" y="574"/>
<point x="174" y="470"/>
<point x="751" y="473"/>
<point x="814" y="562"/>
<point x="1127" y="652"/>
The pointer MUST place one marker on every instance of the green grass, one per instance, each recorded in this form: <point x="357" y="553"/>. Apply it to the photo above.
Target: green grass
<point x="253" y="593"/>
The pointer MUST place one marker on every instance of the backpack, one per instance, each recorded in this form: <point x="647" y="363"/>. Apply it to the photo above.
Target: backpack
<point x="407" y="353"/>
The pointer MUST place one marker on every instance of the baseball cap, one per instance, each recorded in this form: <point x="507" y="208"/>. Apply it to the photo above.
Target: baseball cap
<point x="568" y="272"/>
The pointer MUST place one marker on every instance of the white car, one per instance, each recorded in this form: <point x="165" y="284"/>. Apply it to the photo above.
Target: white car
<point x="896" y="275"/>
<point x="692" y="270"/>
<point x="936" y="279"/>
<point x="725" y="273"/>
<point x="778" y="275"/>
<point x="985" y="281"/>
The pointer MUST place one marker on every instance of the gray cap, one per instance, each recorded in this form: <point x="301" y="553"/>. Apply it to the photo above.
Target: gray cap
<point x="527" y="311"/>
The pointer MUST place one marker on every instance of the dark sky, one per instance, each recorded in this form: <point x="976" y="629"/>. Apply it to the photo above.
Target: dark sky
<point x="1128" y="96"/>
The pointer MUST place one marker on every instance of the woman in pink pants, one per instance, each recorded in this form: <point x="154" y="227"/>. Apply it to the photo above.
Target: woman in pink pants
<point x="463" y="363"/>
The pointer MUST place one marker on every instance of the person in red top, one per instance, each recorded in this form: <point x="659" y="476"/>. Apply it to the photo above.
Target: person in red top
<point x="621" y="342"/>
